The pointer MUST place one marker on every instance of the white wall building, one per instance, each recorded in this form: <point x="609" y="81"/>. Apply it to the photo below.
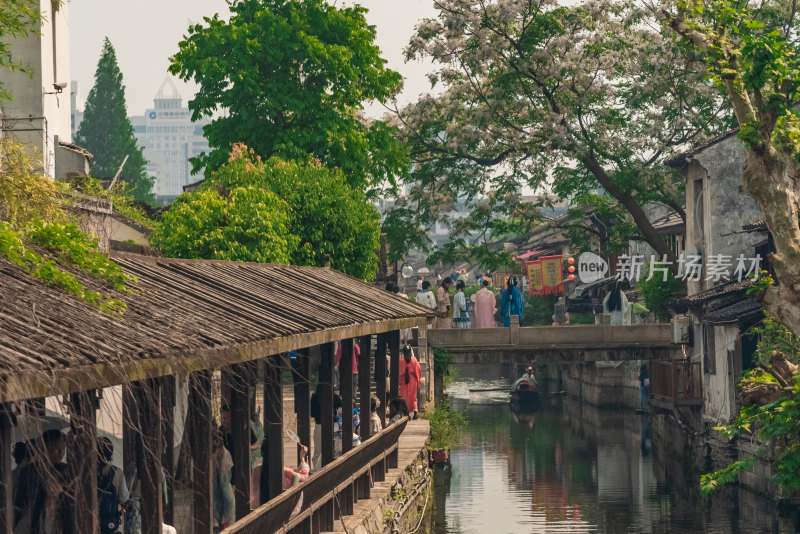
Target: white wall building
<point x="169" y="138"/>
<point x="39" y="115"/>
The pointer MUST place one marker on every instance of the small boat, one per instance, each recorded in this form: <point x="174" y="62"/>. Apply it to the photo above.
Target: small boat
<point x="525" y="392"/>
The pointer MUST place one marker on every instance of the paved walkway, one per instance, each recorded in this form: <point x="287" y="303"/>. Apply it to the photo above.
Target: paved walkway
<point x="412" y="443"/>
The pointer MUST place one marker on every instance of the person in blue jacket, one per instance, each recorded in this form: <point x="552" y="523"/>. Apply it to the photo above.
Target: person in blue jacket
<point x="511" y="302"/>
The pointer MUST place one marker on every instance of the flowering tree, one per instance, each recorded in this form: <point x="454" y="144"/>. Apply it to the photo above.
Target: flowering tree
<point x="585" y="100"/>
<point x="752" y="54"/>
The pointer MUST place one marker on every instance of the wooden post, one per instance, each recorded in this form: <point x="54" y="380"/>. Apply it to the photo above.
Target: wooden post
<point x="238" y="377"/>
<point x="365" y="344"/>
<point x="130" y="427"/>
<point x="326" y="402"/>
<point x="6" y="490"/>
<point x="380" y="376"/>
<point x="202" y="424"/>
<point x="168" y="391"/>
<point x="149" y="471"/>
<point x="423" y="355"/>
<point x="302" y="399"/>
<point x="394" y="357"/>
<point x="82" y="455"/>
<point x="272" y="470"/>
<point x="346" y="391"/>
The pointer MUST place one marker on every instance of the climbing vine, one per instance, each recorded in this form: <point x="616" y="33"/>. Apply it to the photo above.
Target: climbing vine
<point x="39" y="234"/>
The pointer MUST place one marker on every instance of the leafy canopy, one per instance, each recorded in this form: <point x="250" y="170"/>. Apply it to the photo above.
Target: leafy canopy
<point x="584" y="101"/>
<point x="291" y="77"/>
<point x="274" y="211"/>
<point x="107" y="133"/>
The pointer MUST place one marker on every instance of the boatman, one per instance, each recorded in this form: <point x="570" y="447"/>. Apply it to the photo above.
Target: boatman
<point x="530" y="377"/>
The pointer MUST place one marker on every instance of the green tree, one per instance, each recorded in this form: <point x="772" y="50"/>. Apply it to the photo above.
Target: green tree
<point x="754" y="59"/>
<point x="107" y="133"/>
<point x="291" y="77"/>
<point x="584" y="100"/>
<point x="274" y="211"/>
<point x="17" y="19"/>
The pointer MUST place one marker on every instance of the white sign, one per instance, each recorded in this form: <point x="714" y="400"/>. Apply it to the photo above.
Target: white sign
<point x="591" y="268"/>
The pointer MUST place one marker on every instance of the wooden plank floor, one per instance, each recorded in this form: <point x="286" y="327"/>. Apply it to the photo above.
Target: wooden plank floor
<point x="411" y="443"/>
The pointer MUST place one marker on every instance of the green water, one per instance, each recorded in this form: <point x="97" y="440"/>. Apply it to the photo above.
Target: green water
<point x="569" y="467"/>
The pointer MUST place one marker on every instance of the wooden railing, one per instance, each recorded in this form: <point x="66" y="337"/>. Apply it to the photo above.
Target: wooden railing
<point x="314" y="505"/>
<point x="679" y="382"/>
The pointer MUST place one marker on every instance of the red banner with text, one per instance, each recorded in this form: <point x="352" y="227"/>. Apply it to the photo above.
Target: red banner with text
<point x="545" y="276"/>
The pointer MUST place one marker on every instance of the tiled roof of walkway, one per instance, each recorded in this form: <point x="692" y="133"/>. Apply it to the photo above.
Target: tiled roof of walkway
<point x="182" y="315"/>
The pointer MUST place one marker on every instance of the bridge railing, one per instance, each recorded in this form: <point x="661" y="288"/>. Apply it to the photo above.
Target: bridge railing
<point x="328" y="493"/>
<point x="678" y="382"/>
<point x="660" y="334"/>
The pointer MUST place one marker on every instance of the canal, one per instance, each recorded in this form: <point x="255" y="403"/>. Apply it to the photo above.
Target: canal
<point x="570" y="467"/>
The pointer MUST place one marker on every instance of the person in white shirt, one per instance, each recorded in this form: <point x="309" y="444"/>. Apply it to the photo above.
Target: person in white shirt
<point x="426" y="297"/>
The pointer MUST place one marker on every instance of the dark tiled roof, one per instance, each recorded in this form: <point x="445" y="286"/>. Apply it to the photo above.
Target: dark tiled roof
<point x="721" y="291"/>
<point x="194" y="186"/>
<point x="75" y="148"/>
<point x="680" y="159"/>
<point x="759" y="225"/>
<point x="670" y="224"/>
<point x="743" y="311"/>
<point x="182" y="315"/>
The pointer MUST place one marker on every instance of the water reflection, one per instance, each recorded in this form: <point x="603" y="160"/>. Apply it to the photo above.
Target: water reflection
<point x="569" y="467"/>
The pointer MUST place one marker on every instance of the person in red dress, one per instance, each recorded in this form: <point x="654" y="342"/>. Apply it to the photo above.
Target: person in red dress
<point x="410" y="378"/>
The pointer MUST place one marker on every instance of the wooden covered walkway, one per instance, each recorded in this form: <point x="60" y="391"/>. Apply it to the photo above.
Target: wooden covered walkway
<point x="187" y="319"/>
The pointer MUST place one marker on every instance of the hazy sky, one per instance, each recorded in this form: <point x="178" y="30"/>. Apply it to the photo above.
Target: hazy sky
<point x="145" y="33"/>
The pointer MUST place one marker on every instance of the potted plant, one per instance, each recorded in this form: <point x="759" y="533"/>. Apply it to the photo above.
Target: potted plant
<point x="445" y="431"/>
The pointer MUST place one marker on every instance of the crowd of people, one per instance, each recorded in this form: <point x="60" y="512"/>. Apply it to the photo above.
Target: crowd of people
<point x="457" y="310"/>
<point x="44" y="489"/>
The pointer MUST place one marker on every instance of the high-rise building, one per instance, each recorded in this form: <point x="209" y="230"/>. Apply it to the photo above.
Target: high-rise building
<point x="76" y="107"/>
<point x="169" y="138"/>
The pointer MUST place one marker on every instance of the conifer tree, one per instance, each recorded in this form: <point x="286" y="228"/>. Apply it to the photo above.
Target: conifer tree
<point x="107" y="133"/>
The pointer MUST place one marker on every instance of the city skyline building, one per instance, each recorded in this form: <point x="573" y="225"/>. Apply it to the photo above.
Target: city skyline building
<point x="169" y="138"/>
<point x="75" y="106"/>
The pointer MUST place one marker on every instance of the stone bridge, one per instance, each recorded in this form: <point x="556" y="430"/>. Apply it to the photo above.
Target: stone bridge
<point x="562" y="344"/>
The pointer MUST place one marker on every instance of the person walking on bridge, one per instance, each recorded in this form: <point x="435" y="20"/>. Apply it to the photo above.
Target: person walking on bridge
<point x="485" y="306"/>
<point x="460" y="307"/>
<point x="511" y="302"/>
<point x="410" y="378"/>
<point x="443" y="301"/>
<point x="617" y="306"/>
